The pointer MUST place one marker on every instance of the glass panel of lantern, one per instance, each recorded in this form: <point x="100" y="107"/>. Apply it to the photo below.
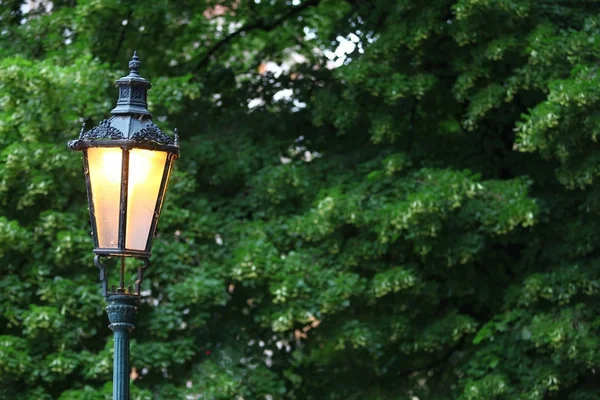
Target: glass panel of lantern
<point x="136" y="209"/>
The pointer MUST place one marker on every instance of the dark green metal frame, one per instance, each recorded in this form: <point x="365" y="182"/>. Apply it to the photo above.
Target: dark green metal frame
<point x="130" y="127"/>
<point x="132" y="114"/>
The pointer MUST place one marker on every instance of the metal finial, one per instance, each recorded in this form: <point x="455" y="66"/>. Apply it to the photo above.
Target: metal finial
<point x="133" y="91"/>
<point x="135" y="63"/>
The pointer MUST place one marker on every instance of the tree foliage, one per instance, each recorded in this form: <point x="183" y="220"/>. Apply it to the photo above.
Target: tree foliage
<point x="376" y="199"/>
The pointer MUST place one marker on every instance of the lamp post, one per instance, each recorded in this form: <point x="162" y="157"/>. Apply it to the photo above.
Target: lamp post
<point x="127" y="162"/>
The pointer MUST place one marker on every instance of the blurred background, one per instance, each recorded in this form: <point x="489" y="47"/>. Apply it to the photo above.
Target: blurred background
<point x="383" y="199"/>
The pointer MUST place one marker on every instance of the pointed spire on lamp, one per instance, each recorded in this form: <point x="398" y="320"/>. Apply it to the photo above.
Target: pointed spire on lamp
<point x="131" y="121"/>
<point x="134" y="64"/>
<point x="133" y="91"/>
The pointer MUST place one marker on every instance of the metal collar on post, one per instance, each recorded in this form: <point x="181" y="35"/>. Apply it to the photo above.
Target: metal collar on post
<point x="121" y="312"/>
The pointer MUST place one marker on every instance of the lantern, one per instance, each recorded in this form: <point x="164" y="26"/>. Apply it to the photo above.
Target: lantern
<point x="127" y="162"/>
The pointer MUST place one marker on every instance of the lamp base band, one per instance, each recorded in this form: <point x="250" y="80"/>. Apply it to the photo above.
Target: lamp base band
<point x="121" y="310"/>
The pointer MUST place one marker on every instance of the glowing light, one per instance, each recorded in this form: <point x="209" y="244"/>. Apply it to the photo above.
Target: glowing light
<point x="145" y="172"/>
<point x="146" y="168"/>
<point x="111" y="164"/>
<point x="105" y="179"/>
<point x="140" y="164"/>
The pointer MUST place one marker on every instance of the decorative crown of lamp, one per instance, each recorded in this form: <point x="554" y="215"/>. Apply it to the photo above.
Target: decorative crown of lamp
<point x="127" y="162"/>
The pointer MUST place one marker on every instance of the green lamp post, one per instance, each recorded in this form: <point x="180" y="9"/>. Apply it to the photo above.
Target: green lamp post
<point x="127" y="162"/>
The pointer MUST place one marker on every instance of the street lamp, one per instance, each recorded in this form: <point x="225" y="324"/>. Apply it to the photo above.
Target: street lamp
<point x="127" y="162"/>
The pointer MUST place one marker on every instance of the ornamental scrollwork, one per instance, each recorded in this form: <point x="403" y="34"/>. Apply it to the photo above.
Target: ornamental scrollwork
<point x="103" y="131"/>
<point x="151" y="132"/>
<point x="121" y="313"/>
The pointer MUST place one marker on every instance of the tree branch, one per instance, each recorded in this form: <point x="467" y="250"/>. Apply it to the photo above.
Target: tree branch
<point x="435" y="363"/>
<point x="260" y="25"/>
<point x="122" y="36"/>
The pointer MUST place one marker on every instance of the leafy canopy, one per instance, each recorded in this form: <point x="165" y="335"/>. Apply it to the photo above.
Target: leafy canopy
<point x="375" y="199"/>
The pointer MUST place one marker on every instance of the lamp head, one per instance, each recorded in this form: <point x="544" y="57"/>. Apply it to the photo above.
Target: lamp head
<point x="127" y="163"/>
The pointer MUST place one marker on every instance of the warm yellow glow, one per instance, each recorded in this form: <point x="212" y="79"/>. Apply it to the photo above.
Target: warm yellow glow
<point x="140" y="163"/>
<point x="105" y="178"/>
<point x="111" y="164"/>
<point x="146" y="169"/>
